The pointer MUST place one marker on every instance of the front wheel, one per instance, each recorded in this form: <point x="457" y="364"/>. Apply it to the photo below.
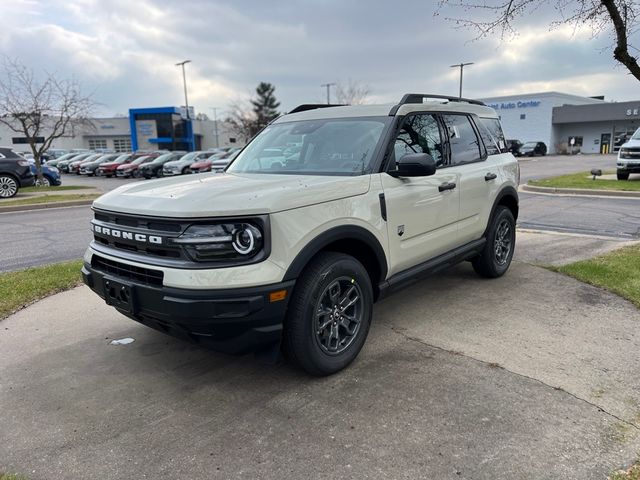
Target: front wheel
<point x="329" y="314"/>
<point x="8" y="186"/>
<point x="497" y="253"/>
<point x="622" y="175"/>
<point x="45" y="182"/>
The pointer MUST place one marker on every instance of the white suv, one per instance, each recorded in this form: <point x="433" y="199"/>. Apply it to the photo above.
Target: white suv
<point x="629" y="157"/>
<point x="290" y="248"/>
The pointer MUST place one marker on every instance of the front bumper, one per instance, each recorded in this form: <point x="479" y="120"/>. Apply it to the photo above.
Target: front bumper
<point x="629" y="166"/>
<point x="233" y="321"/>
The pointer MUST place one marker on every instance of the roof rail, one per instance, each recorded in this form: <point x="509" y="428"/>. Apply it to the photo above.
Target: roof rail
<point x="312" y="106"/>
<point x="419" y="98"/>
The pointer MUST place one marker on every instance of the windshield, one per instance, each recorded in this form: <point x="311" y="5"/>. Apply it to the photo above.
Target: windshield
<point x="164" y="158"/>
<point x="313" y="147"/>
<point x="530" y="144"/>
<point x="636" y="136"/>
<point x="190" y="156"/>
<point x="140" y="160"/>
<point x="95" y="156"/>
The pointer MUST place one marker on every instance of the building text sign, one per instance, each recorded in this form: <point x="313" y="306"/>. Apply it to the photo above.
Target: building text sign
<point x="633" y="112"/>
<point x="513" y="105"/>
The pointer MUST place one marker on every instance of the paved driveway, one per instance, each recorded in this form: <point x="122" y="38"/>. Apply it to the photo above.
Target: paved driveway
<point x="533" y="376"/>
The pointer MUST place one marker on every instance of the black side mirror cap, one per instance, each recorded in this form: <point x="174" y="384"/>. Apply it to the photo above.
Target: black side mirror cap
<point x="414" y="165"/>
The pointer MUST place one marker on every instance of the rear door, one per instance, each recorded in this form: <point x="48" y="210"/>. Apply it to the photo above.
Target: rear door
<point x="422" y="212"/>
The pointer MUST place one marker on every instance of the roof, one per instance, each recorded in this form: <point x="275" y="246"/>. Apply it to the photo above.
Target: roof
<point x="352" y="111"/>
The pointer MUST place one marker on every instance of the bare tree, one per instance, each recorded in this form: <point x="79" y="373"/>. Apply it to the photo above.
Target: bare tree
<point x="352" y="93"/>
<point x="241" y="119"/>
<point x="40" y="109"/>
<point x="617" y="17"/>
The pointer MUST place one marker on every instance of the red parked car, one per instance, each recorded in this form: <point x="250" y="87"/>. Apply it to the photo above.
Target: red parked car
<point x="130" y="169"/>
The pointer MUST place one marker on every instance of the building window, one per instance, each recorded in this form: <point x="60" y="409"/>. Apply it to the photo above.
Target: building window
<point x="232" y="140"/>
<point x="122" y="145"/>
<point x="523" y="116"/>
<point x="578" y="141"/>
<point x="97" y="144"/>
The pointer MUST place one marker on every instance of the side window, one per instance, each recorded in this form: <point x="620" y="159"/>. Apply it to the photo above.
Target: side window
<point x="420" y="134"/>
<point x="495" y="129"/>
<point x="464" y="144"/>
<point x="488" y="140"/>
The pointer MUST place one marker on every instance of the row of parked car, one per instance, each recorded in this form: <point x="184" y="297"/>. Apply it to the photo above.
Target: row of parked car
<point x="527" y="149"/>
<point x="144" y="164"/>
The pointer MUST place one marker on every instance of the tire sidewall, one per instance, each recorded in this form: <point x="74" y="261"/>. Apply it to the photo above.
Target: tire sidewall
<point x="11" y="177"/>
<point x="324" y="362"/>
<point x="501" y="214"/>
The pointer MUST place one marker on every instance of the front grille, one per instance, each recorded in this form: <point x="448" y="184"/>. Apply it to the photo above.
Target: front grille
<point x="146" y="276"/>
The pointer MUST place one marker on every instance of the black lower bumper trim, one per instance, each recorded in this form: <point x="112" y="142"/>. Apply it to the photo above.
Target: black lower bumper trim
<point x="231" y="320"/>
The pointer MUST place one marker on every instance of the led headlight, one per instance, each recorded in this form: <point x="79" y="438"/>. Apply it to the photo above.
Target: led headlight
<point x="222" y="241"/>
<point x="624" y="153"/>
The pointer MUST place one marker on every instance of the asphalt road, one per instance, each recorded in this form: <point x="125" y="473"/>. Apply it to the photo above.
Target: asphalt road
<point x="40" y="237"/>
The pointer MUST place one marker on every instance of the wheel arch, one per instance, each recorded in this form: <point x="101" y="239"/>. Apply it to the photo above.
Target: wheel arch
<point x="351" y="240"/>
<point x="507" y="197"/>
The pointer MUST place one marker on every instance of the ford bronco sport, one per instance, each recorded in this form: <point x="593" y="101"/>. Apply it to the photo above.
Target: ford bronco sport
<point x="289" y="248"/>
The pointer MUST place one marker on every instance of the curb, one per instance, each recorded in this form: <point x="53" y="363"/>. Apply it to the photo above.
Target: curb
<point x="580" y="191"/>
<point x="43" y="206"/>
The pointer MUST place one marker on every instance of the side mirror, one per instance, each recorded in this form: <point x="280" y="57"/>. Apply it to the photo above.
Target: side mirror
<point x="414" y="165"/>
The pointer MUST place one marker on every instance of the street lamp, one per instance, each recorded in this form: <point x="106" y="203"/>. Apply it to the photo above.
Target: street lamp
<point x="461" y="67"/>
<point x="328" y="85"/>
<point x="215" y="124"/>
<point x="184" y="82"/>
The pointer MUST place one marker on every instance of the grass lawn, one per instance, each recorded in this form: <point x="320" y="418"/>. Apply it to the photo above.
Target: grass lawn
<point x="23" y="287"/>
<point x="12" y="476"/>
<point x="617" y="271"/>
<point x="49" y="199"/>
<point x="583" y="180"/>
<point x="632" y="474"/>
<point x="53" y="189"/>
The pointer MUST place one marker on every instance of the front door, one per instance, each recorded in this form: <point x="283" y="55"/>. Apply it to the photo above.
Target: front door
<point x="605" y="143"/>
<point x="422" y="212"/>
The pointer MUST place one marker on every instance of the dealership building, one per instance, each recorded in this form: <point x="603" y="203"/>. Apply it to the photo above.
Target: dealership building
<point x="567" y="123"/>
<point x="162" y="128"/>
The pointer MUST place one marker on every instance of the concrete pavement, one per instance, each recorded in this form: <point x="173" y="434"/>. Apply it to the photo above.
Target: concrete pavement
<point x="533" y="375"/>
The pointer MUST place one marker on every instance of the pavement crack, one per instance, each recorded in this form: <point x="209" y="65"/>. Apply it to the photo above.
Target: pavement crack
<point x="522" y="375"/>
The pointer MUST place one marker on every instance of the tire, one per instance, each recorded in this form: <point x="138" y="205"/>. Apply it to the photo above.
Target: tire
<point x="46" y="182"/>
<point x="622" y="175"/>
<point x="8" y="186"/>
<point x="502" y="230"/>
<point x="330" y="279"/>
<point x="186" y="171"/>
<point x="108" y="175"/>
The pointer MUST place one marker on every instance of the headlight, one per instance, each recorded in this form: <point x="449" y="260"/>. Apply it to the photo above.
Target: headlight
<point x="54" y="169"/>
<point x="623" y="153"/>
<point x="223" y="241"/>
<point x="23" y="163"/>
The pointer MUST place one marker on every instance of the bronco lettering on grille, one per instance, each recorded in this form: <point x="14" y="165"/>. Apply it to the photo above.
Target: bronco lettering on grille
<point x="138" y="237"/>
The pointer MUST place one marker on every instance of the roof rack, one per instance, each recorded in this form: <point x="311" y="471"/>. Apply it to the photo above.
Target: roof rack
<point x="419" y="98"/>
<point x="312" y="106"/>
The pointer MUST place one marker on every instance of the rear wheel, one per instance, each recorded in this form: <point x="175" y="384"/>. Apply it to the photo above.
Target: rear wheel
<point x="8" y="186"/>
<point x="186" y="170"/>
<point x="622" y="175"/>
<point x="497" y="253"/>
<point x="329" y="314"/>
<point x="45" y="182"/>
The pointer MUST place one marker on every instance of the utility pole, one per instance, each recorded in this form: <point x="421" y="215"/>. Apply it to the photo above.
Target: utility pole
<point x="328" y="86"/>
<point x="461" y="67"/>
<point x="215" y="125"/>
<point x="184" y="82"/>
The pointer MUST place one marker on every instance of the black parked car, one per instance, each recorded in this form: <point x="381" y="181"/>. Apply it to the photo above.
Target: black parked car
<point x="154" y="168"/>
<point x="531" y="149"/>
<point x="514" y="147"/>
<point x="15" y="173"/>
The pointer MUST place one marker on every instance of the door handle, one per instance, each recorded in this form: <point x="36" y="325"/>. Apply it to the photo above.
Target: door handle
<point x="490" y="176"/>
<point x="446" y="186"/>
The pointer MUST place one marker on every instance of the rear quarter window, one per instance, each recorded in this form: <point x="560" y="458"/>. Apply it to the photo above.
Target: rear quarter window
<point x="495" y="130"/>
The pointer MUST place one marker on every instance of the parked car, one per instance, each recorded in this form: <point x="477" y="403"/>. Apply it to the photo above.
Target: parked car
<point x="531" y="149"/>
<point x="88" y="166"/>
<point x="182" y="166"/>
<point x="108" y="169"/>
<point x="50" y="176"/>
<point x="15" y="173"/>
<point x="74" y="165"/>
<point x="215" y="163"/>
<point x="629" y="157"/>
<point x="131" y="169"/>
<point x="56" y="152"/>
<point x="63" y="165"/>
<point x="514" y="147"/>
<point x="256" y="260"/>
<point x="154" y="168"/>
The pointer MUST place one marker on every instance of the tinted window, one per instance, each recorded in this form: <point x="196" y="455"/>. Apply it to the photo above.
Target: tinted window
<point x="463" y="141"/>
<point x="420" y="134"/>
<point x="488" y="140"/>
<point x="495" y="129"/>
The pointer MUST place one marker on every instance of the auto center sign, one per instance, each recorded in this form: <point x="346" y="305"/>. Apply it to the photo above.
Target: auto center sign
<point x="514" y="105"/>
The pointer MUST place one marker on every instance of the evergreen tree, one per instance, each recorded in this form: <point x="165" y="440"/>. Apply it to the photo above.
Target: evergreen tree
<point x="265" y="105"/>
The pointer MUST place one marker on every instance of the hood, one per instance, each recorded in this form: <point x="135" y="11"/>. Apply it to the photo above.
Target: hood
<point x="174" y="163"/>
<point x="631" y="143"/>
<point x="229" y="194"/>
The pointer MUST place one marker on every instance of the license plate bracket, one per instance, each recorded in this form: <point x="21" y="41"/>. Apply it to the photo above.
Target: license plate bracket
<point x="119" y="294"/>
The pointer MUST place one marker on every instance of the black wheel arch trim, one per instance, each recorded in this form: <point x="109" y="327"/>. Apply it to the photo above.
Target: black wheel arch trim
<point x="507" y="191"/>
<point x="326" y="238"/>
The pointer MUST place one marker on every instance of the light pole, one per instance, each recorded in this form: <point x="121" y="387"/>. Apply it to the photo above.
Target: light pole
<point x="328" y="86"/>
<point x="461" y="67"/>
<point x="184" y="82"/>
<point x="215" y="125"/>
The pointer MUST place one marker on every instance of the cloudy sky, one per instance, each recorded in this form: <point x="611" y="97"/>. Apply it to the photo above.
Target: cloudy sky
<point x="125" y="50"/>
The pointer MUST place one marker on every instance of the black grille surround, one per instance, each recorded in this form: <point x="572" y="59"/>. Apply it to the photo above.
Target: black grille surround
<point x="148" y="239"/>
<point x="146" y="276"/>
